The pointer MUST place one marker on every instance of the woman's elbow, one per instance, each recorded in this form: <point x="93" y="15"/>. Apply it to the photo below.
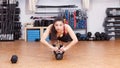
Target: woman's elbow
<point x="42" y="40"/>
<point x="76" y="40"/>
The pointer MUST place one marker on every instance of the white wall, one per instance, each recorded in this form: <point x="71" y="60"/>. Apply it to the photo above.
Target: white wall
<point x="96" y="12"/>
<point x="24" y="17"/>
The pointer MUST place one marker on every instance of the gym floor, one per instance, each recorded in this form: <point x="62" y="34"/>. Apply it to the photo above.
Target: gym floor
<point x="85" y="54"/>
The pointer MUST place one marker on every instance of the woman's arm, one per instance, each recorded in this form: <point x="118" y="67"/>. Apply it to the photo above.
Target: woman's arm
<point x="72" y="35"/>
<point x="45" y="35"/>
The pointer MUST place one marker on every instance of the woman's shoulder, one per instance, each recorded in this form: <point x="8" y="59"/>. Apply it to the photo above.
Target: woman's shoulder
<point x="49" y="27"/>
<point x="67" y="26"/>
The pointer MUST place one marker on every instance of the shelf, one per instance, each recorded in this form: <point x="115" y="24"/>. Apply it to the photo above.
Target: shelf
<point x="114" y="22"/>
<point x="47" y="12"/>
<point x="116" y="31"/>
<point x="40" y="28"/>
<point x="116" y="36"/>
<point x="61" y="6"/>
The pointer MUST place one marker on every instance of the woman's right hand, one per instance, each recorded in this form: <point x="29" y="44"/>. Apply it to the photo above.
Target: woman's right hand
<point x="55" y="49"/>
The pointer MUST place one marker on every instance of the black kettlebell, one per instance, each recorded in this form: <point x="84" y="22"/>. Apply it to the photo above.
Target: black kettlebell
<point x="14" y="59"/>
<point x="59" y="55"/>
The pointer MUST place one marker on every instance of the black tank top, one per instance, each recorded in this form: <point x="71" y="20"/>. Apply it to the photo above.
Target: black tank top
<point x="66" y="37"/>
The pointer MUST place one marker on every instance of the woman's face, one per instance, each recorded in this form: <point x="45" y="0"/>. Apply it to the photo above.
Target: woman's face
<point x="59" y="26"/>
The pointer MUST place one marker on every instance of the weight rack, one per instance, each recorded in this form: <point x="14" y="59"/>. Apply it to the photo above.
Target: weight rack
<point x="9" y="16"/>
<point x="112" y="22"/>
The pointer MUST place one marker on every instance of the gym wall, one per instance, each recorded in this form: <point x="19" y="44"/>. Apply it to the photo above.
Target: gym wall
<point x="96" y="12"/>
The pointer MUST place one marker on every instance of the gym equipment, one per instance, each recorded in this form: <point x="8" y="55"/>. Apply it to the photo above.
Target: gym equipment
<point x="67" y="16"/>
<point x="71" y="23"/>
<point x="17" y="3"/>
<point x="3" y="17"/>
<point x="113" y="12"/>
<point x="78" y="12"/>
<point x="4" y="3"/>
<point x="61" y="6"/>
<point x="32" y="17"/>
<point x="37" y="23"/>
<point x="89" y="34"/>
<point x="3" y="11"/>
<point x="50" y="22"/>
<point x="83" y="37"/>
<point x="33" y="34"/>
<point x="89" y="38"/>
<point x="17" y="10"/>
<point x="17" y="25"/>
<point x="111" y="24"/>
<point x="97" y="36"/>
<point x="58" y="54"/>
<point x="106" y="36"/>
<point x="112" y="20"/>
<point x="42" y="22"/>
<point x="103" y="35"/>
<point x="14" y="59"/>
<point x="45" y="22"/>
<point x="78" y="36"/>
<point x="0" y="27"/>
<point x="16" y="17"/>
<point x="9" y="15"/>
<point x="75" y="24"/>
<point x="17" y="30"/>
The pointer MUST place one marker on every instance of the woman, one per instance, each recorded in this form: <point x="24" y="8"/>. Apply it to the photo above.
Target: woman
<point x="59" y="31"/>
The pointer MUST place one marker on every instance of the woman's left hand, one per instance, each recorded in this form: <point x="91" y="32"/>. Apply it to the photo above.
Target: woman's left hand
<point x="63" y="49"/>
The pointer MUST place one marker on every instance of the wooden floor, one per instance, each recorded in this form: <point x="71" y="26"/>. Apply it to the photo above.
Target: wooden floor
<point x="86" y="54"/>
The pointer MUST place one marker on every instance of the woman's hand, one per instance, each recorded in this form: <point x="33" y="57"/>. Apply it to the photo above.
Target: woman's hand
<point x="55" y="49"/>
<point x="63" y="49"/>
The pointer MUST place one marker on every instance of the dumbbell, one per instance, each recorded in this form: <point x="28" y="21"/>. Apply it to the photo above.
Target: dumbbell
<point x="58" y="54"/>
<point x="0" y="26"/>
<point x="89" y="34"/>
<point x="97" y="36"/>
<point x="3" y="11"/>
<point x="3" y="17"/>
<point x="78" y="36"/>
<point x="103" y="36"/>
<point x="14" y="59"/>
<point x="17" y="11"/>
<point x="16" y="4"/>
<point x="88" y="37"/>
<point x="106" y="36"/>
<point x="16" y="17"/>
<point x="4" y="3"/>
<point x="49" y="22"/>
